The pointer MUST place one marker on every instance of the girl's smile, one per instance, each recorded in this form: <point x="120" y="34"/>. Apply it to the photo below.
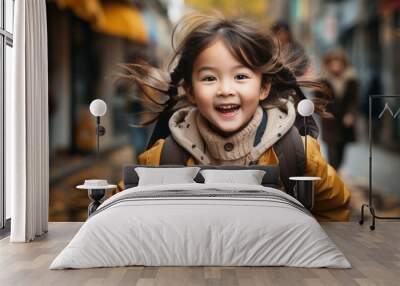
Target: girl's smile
<point x="226" y="92"/>
<point x="228" y="111"/>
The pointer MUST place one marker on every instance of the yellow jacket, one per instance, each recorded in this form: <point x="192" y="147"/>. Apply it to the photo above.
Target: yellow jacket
<point x="331" y="195"/>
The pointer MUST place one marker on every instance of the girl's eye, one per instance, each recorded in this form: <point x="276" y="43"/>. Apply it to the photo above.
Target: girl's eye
<point x="241" y="77"/>
<point x="208" y="78"/>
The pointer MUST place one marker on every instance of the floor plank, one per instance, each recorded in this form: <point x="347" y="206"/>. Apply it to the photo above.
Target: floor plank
<point x="374" y="255"/>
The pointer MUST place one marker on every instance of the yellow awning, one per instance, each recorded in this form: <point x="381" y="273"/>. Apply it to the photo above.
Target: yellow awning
<point x="124" y="21"/>
<point x="115" y="19"/>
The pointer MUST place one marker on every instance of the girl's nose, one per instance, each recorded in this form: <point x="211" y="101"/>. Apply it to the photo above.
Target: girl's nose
<point x="225" y="89"/>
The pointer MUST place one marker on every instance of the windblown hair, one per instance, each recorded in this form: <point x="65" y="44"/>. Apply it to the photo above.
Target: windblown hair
<point x="250" y="45"/>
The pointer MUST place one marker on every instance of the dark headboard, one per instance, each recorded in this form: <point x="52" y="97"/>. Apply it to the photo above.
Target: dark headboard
<point x="270" y="179"/>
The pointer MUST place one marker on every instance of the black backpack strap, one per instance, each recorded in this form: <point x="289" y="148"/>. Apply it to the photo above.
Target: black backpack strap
<point x="312" y="127"/>
<point x="172" y="153"/>
<point x="161" y="128"/>
<point x="290" y="152"/>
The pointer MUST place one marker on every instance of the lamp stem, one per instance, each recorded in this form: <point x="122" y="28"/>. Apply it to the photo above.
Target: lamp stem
<point x="305" y="134"/>
<point x="98" y="137"/>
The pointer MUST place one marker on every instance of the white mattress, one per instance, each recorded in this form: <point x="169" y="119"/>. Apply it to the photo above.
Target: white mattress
<point x="221" y="225"/>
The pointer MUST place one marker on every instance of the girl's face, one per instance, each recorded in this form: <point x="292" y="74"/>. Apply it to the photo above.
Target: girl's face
<point x="226" y="92"/>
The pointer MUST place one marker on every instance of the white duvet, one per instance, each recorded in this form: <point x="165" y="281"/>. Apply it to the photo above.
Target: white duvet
<point x="201" y="224"/>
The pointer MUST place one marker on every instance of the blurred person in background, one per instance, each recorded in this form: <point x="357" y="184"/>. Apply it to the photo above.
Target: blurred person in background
<point x="341" y="80"/>
<point x="281" y="31"/>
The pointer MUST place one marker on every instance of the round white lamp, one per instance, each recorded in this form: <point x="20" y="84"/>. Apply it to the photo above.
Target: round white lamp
<point x="98" y="108"/>
<point x="305" y="108"/>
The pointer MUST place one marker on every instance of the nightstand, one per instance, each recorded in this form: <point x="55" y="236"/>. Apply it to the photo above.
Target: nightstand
<point x="304" y="190"/>
<point x="96" y="192"/>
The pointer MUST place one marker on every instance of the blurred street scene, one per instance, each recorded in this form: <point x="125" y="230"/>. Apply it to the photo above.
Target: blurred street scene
<point x="88" y="40"/>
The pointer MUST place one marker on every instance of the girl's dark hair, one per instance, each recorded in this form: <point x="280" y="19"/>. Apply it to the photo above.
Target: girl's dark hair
<point x="250" y="45"/>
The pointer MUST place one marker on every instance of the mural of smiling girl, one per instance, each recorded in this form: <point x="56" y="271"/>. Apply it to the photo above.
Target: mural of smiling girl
<point x="228" y="98"/>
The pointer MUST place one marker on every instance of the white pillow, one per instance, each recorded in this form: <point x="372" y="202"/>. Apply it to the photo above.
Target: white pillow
<point x="248" y="177"/>
<point x="162" y="176"/>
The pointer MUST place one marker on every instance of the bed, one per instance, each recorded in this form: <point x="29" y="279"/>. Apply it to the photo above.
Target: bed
<point x="201" y="223"/>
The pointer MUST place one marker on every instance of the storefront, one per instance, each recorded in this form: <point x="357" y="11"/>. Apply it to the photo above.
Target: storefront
<point x="87" y="41"/>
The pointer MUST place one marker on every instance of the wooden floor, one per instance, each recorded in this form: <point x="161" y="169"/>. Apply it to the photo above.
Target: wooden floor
<point x="375" y="256"/>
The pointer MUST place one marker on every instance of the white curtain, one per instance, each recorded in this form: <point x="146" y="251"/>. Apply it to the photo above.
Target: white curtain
<point x="27" y="124"/>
